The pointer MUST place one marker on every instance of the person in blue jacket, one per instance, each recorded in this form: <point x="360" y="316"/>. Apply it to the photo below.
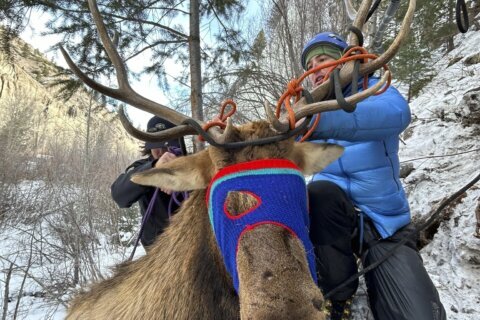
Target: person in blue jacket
<point x="125" y="193"/>
<point x="358" y="206"/>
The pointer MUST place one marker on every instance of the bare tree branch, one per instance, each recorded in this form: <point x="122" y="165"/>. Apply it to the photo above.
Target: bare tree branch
<point x="440" y="156"/>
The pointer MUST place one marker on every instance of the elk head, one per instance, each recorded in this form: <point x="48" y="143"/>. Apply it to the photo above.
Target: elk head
<point x="271" y="268"/>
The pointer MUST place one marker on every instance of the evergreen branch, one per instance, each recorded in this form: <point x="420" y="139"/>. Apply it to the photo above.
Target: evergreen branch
<point x="217" y="17"/>
<point x="153" y="45"/>
<point x="52" y="5"/>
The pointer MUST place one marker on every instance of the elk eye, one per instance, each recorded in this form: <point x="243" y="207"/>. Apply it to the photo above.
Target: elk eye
<point x="240" y="203"/>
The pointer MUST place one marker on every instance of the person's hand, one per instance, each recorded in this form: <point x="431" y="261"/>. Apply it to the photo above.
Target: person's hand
<point x="164" y="158"/>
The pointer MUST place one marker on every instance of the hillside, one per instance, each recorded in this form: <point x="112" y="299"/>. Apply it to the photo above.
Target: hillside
<point x="58" y="160"/>
<point x="440" y="155"/>
<point x="27" y="75"/>
<point x="443" y="148"/>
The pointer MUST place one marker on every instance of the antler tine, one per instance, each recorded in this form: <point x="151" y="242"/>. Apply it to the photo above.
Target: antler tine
<point x="351" y="12"/>
<point x="275" y="122"/>
<point x="359" y="21"/>
<point x="110" y="48"/>
<point x="228" y="132"/>
<point x="179" y="131"/>
<point x="125" y="91"/>
<point x="395" y="46"/>
<point x="320" y="92"/>
<point x="173" y="133"/>
<point x="331" y="105"/>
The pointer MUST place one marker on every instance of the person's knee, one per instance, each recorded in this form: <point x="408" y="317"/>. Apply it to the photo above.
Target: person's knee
<point x="401" y="277"/>
<point x="332" y="215"/>
<point x="325" y="191"/>
<point x="403" y="254"/>
<point x="321" y="187"/>
<point x="326" y="199"/>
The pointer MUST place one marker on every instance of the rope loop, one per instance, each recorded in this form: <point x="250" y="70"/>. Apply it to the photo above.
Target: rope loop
<point x="232" y="104"/>
<point x="461" y="16"/>
<point x="220" y="120"/>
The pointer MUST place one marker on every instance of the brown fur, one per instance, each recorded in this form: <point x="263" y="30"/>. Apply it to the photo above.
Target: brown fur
<point x="183" y="276"/>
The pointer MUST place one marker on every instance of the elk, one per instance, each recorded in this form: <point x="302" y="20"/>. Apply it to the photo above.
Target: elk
<point x="185" y="274"/>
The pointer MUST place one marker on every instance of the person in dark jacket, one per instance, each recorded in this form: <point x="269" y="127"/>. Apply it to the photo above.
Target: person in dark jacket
<point x="358" y="206"/>
<point x="125" y="193"/>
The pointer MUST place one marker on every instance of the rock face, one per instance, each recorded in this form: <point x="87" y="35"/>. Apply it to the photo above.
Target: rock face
<point x="28" y="84"/>
<point x="444" y="141"/>
<point x="472" y="102"/>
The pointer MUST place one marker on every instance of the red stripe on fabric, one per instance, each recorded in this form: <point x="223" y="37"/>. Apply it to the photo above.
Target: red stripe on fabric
<point x="251" y="165"/>
<point x="253" y="226"/>
<point x="254" y="165"/>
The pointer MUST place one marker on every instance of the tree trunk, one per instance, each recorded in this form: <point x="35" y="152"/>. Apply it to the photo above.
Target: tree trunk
<point x="409" y="98"/>
<point x="450" y="44"/>
<point x="292" y="56"/>
<point x="6" y="292"/>
<point x="195" y="67"/>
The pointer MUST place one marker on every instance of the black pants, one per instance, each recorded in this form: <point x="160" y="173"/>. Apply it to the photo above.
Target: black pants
<point x="398" y="289"/>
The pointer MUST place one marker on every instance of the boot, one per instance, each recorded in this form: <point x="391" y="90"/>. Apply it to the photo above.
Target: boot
<point x="338" y="309"/>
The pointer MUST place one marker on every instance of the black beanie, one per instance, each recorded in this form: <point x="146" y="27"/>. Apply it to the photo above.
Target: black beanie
<point x="157" y="124"/>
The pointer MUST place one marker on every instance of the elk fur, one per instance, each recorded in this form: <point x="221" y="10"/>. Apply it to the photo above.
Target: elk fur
<point x="183" y="275"/>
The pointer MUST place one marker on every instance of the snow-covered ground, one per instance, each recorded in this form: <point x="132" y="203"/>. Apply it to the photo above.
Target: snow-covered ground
<point x="36" y="267"/>
<point x="442" y="144"/>
<point x="46" y="289"/>
<point x="448" y="124"/>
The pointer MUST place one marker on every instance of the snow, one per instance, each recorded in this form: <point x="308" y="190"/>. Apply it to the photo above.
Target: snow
<point x="44" y="295"/>
<point x="452" y="259"/>
<point x="438" y="129"/>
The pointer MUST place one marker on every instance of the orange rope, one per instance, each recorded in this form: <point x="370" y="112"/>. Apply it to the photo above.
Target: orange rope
<point x="222" y="117"/>
<point x="294" y="88"/>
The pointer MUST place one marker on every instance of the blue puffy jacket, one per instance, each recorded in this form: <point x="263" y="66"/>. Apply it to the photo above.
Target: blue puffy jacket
<point x="368" y="170"/>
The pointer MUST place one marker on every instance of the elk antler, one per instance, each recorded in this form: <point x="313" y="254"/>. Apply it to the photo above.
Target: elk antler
<point x="331" y="105"/>
<point x="126" y="94"/>
<point x="346" y="72"/>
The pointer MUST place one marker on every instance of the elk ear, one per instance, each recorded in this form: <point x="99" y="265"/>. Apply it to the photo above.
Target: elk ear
<point x="182" y="174"/>
<point x="314" y="157"/>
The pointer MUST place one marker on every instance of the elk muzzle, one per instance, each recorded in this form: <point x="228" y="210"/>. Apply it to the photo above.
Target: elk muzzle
<point x="275" y="281"/>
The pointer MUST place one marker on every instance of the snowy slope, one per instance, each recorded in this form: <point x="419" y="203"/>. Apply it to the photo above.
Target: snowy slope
<point x="442" y="147"/>
<point x="447" y="122"/>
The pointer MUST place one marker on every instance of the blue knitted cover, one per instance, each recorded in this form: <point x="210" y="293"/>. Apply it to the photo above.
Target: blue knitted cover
<point x="281" y="194"/>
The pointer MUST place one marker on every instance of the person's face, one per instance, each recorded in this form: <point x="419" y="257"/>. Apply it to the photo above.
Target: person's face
<point x="316" y="78"/>
<point x="158" y="152"/>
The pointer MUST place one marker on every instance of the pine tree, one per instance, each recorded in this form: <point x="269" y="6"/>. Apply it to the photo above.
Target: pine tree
<point x="159" y="30"/>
